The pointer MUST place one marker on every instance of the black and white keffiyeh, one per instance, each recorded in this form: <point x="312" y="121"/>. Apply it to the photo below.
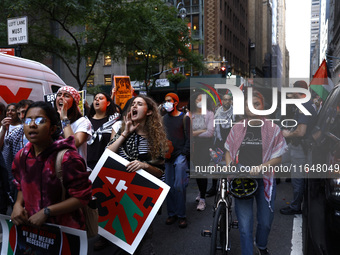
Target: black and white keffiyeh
<point x="223" y="115"/>
<point x="132" y="147"/>
<point x="106" y="128"/>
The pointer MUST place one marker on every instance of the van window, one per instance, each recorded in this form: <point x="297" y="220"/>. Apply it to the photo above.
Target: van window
<point x="55" y="88"/>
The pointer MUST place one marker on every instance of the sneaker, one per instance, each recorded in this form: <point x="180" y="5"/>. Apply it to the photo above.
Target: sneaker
<point x="262" y="252"/>
<point x="289" y="211"/>
<point x="201" y="205"/>
<point x="198" y="197"/>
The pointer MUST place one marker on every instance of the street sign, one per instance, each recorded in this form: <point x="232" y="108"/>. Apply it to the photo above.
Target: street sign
<point x="175" y="70"/>
<point x="162" y="83"/>
<point x="8" y="51"/>
<point x="17" y="30"/>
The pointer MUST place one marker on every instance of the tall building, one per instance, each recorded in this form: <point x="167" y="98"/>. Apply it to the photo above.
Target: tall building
<point x="260" y="37"/>
<point x="324" y="16"/>
<point x="314" y="36"/>
<point x="226" y="34"/>
<point x="281" y="38"/>
<point x="333" y="59"/>
<point x="236" y="33"/>
<point x="280" y="65"/>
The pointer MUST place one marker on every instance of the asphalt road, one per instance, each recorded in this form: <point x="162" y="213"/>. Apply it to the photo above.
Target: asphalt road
<point x="171" y="240"/>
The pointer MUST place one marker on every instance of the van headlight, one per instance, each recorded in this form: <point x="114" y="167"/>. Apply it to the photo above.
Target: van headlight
<point x="335" y="187"/>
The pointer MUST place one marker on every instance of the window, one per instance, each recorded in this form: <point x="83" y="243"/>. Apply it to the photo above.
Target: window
<point x="107" y="79"/>
<point x="107" y="60"/>
<point x="89" y="62"/>
<point x="225" y="32"/>
<point x="90" y="81"/>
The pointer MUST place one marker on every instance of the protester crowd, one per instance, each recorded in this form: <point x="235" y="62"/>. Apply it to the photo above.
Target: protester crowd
<point x="164" y="140"/>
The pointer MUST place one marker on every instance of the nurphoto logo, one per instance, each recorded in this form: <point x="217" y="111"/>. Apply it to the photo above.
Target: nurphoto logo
<point x="239" y="103"/>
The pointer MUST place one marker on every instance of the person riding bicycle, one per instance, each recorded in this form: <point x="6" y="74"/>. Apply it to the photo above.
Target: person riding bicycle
<point x="260" y="145"/>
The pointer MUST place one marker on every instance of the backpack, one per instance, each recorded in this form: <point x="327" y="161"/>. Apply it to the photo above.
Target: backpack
<point x="90" y="213"/>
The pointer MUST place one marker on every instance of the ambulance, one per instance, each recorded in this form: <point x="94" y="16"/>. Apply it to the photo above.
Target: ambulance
<point x="26" y="79"/>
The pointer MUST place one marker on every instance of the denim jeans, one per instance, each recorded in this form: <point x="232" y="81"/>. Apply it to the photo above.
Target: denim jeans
<point x="177" y="178"/>
<point x="296" y="156"/>
<point x="245" y="217"/>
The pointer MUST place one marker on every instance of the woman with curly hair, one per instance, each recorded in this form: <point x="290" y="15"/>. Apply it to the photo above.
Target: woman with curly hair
<point x="142" y="139"/>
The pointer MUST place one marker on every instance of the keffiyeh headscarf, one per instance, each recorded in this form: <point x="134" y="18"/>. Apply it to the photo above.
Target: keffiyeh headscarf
<point x="72" y="91"/>
<point x="106" y="128"/>
<point x="223" y="115"/>
<point x="273" y="146"/>
<point x="130" y="146"/>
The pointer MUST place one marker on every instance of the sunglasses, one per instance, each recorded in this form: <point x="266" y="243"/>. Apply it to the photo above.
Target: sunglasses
<point x="37" y="121"/>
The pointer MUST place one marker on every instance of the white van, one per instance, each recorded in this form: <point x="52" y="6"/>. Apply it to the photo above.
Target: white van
<point x="25" y="79"/>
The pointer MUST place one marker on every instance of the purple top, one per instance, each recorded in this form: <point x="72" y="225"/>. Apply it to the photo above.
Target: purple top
<point x="204" y="122"/>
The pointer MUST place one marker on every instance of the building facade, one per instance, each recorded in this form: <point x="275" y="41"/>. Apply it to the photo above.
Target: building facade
<point x="333" y="52"/>
<point x="235" y="33"/>
<point x="314" y="36"/>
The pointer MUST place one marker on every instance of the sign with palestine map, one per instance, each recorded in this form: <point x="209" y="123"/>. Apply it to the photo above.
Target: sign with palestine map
<point x="127" y="202"/>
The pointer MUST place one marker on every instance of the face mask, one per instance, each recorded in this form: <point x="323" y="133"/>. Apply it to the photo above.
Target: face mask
<point x="199" y="104"/>
<point x="168" y="106"/>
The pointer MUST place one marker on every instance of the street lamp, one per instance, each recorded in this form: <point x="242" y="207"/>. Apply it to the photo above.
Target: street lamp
<point x="182" y="13"/>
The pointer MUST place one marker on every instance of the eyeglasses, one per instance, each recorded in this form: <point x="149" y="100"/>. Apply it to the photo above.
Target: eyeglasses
<point x="37" y="121"/>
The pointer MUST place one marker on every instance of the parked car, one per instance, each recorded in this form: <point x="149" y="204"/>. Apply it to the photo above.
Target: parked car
<point x="321" y="210"/>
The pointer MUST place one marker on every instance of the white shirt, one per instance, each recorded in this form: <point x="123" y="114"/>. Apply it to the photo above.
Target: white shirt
<point x="117" y="125"/>
<point x="82" y="125"/>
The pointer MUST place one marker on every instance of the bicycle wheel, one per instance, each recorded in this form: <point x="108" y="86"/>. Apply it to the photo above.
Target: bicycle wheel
<point x="220" y="231"/>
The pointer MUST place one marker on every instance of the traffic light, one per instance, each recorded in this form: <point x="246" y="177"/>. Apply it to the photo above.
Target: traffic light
<point x="223" y="70"/>
<point x="229" y="71"/>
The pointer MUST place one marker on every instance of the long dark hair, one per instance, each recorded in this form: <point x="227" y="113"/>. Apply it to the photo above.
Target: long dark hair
<point x="73" y="113"/>
<point x="110" y="110"/>
<point x="51" y="113"/>
<point x="193" y="98"/>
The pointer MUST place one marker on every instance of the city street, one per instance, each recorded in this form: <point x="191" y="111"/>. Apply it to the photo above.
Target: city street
<point x="171" y="240"/>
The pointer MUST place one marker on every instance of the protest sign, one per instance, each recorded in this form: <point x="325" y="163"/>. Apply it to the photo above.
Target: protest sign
<point x="123" y="88"/>
<point x="127" y="202"/>
<point x="48" y="239"/>
<point x="50" y="98"/>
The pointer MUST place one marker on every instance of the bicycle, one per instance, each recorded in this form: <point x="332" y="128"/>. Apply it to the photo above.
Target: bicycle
<point x="223" y="223"/>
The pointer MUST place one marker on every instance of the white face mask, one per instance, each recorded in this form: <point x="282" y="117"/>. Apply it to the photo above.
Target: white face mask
<point x="168" y="106"/>
<point x="199" y="104"/>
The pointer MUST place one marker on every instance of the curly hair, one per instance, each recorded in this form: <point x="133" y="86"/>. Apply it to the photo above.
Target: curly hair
<point x="155" y="132"/>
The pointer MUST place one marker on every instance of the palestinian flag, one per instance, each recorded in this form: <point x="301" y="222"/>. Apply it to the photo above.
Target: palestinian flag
<point x="321" y="82"/>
